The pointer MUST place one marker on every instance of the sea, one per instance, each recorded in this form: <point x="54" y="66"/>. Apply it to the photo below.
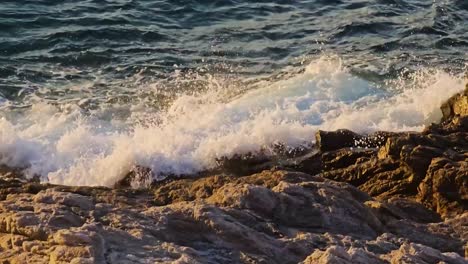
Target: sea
<point x="91" y="89"/>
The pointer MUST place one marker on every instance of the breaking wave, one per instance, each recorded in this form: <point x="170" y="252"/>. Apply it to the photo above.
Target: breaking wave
<point x="64" y="144"/>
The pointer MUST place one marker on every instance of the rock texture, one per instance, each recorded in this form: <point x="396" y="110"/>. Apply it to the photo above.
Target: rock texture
<point x="275" y="216"/>
<point x="381" y="198"/>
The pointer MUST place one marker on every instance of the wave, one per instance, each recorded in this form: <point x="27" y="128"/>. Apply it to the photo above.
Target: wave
<point x="66" y="146"/>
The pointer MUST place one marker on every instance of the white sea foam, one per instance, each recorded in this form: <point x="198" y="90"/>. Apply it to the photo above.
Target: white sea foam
<point x="65" y="146"/>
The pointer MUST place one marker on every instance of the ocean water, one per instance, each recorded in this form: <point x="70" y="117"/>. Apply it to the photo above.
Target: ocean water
<point x="90" y="89"/>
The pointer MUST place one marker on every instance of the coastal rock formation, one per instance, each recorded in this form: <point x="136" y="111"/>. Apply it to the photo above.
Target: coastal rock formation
<point x="430" y="167"/>
<point x="275" y="216"/>
<point x="380" y="198"/>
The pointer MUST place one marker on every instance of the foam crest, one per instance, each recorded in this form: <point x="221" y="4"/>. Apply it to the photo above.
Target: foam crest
<point x="68" y="147"/>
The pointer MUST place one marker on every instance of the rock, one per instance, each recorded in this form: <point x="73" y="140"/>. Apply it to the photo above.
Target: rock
<point x="311" y="164"/>
<point x="389" y="253"/>
<point x="253" y="197"/>
<point x="138" y="177"/>
<point x="275" y="216"/>
<point x="339" y="255"/>
<point x="416" y="253"/>
<point x="412" y="210"/>
<point x="376" y="139"/>
<point x="50" y="196"/>
<point x="456" y="106"/>
<point x="379" y="198"/>
<point x="343" y="138"/>
<point x="80" y="260"/>
<point x="424" y="234"/>
<point x="331" y="255"/>
<point x="445" y="188"/>
<point x="192" y="189"/>
<point x="8" y="173"/>
<point x="379" y="178"/>
<point x="241" y="165"/>
<point x="344" y="158"/>
<point x="333" y="140"/>
<point x="63" y="254"/>
<point x="72" y="238"/>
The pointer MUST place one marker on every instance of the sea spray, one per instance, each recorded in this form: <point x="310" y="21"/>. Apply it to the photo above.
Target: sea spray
<point x="66" y="145"/>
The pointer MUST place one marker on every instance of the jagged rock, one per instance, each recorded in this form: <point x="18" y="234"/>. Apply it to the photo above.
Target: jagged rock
<point x="333" y="140"/>
<point x="138" y="177"/>
<point x="191" y="189"/>
<point x="379" y="198"/>
<point x="380" y="178"/>
<point x="343" y="138"/>
<point x="412" y="210"/>
<point x="310" y="164"/>
<point x="343" y="158"/>
<point x="417" y="253"/>
<point x="429" y="167"/>
<point x="406" y="253"/>
<point x="456" y="106"/>
<point x="339" y="255"/>
<point x="270" y="217"/>
<point x="376" y="139"/>
<point x="305" y="205"/>
<point x="242" y="165"/>
<point x="51" y="196"/>
<point x="445" y="188"/>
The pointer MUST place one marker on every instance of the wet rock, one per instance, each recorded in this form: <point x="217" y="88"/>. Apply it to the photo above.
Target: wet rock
<point x="138" y="177"/>
<point x="343" y="138"/>
<point x="311" y="164"/>
<point x="380" y="198"/>
<point x="344" y="158"/>
<point x="333" y="140"/>
<point x="241" y="165"/>
<point x="376" y="139"/>
<point x="456" y="106"/>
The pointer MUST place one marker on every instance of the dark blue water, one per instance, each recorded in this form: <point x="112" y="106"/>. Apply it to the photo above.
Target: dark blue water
<point x="49" y="42"/>
<point x="91" y="88"/>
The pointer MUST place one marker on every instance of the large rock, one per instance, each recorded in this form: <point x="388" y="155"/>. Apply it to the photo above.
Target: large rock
<point x="333" y="140"/>
<point x="445" y="188"/>
<point x="271" y="217"/>
<point x="456" y="106"/>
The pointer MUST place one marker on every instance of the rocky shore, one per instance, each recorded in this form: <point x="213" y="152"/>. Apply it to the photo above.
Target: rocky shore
<point x="380" y="198"/>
